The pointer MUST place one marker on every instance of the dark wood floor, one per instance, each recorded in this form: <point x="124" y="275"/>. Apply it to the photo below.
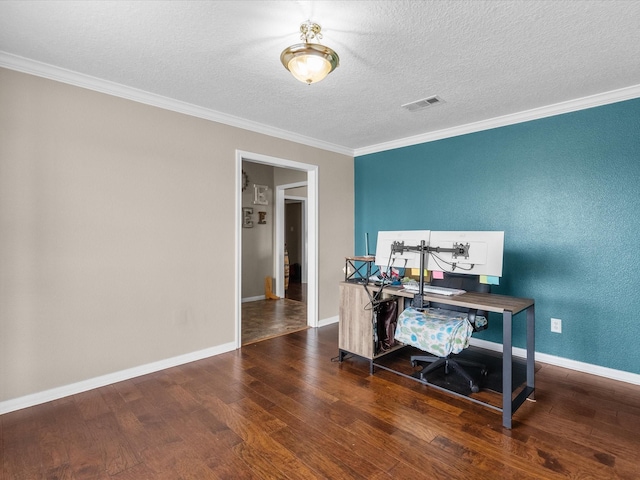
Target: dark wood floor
<point x="283" y="408"/>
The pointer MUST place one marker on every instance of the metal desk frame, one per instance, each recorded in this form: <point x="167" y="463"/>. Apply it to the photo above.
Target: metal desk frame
<point x="508" y="307"/>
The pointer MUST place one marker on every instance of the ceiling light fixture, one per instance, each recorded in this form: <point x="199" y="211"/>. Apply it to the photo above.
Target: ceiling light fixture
<point x="309" y="62"/>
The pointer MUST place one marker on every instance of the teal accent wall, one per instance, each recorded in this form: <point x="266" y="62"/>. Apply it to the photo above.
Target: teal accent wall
<point x="566" y="192"/>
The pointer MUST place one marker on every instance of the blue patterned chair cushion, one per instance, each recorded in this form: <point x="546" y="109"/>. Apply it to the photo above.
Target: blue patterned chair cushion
<point x="437" y="331"/>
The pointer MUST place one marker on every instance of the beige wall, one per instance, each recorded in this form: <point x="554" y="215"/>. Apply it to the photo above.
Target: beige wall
<point x="284" y="176"/>
<point x="117" y="229"/>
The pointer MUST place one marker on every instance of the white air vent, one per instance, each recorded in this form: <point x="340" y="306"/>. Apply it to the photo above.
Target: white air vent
<point x="424" y="103"/>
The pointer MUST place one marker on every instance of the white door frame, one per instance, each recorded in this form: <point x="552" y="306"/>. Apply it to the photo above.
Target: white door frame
<point x="312" y="234"/>
<point x="278" y="266"/>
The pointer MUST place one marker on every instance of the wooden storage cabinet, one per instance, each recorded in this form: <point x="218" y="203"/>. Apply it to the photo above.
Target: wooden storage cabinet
<point x="355" y="332"/>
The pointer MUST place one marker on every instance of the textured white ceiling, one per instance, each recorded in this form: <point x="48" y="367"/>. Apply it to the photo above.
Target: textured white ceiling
<point x="485" y="59"/>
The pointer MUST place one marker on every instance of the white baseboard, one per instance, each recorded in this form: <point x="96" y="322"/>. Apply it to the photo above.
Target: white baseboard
<point x="79" y="387"/>
<point x="610" y="373"/>
<point x="253" y="299"/>
<point x="328" y="321"/>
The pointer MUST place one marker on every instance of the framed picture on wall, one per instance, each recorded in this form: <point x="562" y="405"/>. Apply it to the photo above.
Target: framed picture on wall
<point x="260" y="195"/>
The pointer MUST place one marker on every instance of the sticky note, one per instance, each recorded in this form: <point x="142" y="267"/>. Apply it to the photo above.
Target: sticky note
<point x="437" y="275"/>
<point x="415" y="272"/>
<point x="489" y="279"/>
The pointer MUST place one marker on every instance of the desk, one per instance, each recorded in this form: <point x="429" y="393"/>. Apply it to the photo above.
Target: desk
<point x="352" y="313"/>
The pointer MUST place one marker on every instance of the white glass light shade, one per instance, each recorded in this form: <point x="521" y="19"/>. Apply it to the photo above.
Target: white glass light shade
<point x="309" y="68"/>
<point x="309" y="62"/>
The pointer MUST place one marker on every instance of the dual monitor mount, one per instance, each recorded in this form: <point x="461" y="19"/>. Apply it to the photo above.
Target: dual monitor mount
<point x="459" y="250"/>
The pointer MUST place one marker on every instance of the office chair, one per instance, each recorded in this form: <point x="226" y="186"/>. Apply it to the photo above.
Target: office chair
<point x="443" y="330"/>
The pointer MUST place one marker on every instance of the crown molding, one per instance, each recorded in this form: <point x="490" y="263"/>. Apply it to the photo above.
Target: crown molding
<point x="25" y="65"/>
<point x="51" y="72"/>
<point x="597" y="100"/>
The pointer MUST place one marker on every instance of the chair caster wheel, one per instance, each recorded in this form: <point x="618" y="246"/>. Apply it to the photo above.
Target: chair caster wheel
<point x="475" y="388"/>
<point x="414" y="363"/>
<point x="484" y="372"/>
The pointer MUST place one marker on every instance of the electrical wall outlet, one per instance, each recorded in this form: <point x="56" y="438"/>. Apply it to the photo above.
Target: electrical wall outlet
<point x="556" y="325"/>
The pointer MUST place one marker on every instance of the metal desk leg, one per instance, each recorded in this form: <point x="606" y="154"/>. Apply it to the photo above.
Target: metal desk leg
<point x="507" y="369"/>
<point x="531" y="348"/>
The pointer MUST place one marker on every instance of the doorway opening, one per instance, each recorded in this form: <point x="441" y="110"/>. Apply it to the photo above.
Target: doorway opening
<point x="278" y="252"/>
<point x="295" y="237"/>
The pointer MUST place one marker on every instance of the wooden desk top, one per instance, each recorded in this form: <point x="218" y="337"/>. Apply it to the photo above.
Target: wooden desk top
<point x="490" y="302"/>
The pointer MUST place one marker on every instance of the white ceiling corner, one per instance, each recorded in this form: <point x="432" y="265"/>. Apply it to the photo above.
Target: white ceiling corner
<point x="219" y="60"/>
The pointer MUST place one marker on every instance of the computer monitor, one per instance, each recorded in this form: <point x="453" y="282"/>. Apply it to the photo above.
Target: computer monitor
<point x="385" y="258"/>
<point x="485" y="253"/>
